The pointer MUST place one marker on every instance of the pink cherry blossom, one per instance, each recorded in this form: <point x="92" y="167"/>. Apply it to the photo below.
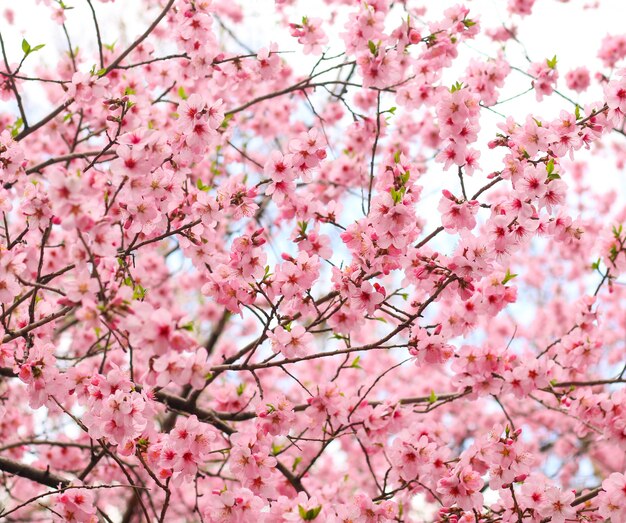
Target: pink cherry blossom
<point x="347" y="262"/>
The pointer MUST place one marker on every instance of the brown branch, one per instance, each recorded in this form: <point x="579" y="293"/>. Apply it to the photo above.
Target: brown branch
<point x="145" y="35"/>
<point x="53" y="114"/>
<point x="64" y="158"/>
<point x="44" y="477"/>
<point x="98" y="37"/>
<point x="37" y="324"/>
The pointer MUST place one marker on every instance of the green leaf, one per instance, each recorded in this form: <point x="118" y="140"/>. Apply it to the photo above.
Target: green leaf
<point x="508" y="277"/>
<point x="552" y="63"/>
<point x="596" y="264"/>
<point x="373" y="47"/>
<point x="309" y="515"/>
<point x="431" y="39"/>
<point x="355" y="363"/>
<point x="139" y="293"/>
<point x="227" y="118"/>
<point x="468" y="22"/>
<point x="617" y="231"/>
<point x="129" y="91"/>
<point x="577" y="112"/>
<point x="37" y="47"/>
<point x="200" y="185"/>
<point x="396" y="157"/>
<point x="15" y="128"/>
<point x="432" y="398"/>
<point x="182" y="93"/>
<point x="456" y="87"/>
<point x="240" y="388"/>
<point x="187" y="326"/>
<point x="397" y="195"/>
<point x="550" y="168"/>
<point x="296" y="462"/>
<point x="25" y="46"/>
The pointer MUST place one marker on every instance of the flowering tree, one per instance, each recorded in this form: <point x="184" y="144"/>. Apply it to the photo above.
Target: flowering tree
<point x="226" y="297"/>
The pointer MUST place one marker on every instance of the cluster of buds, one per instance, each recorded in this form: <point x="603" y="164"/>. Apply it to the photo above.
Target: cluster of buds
<point x="114" y="104"/>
